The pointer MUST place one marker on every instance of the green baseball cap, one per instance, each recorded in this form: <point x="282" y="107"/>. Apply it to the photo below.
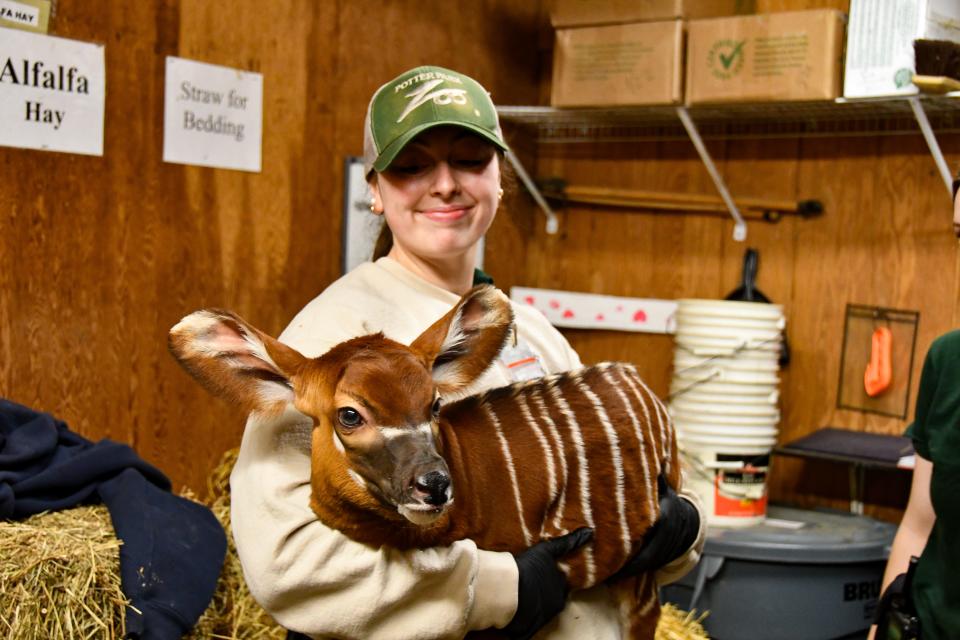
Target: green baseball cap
<point x="420" y="99"/>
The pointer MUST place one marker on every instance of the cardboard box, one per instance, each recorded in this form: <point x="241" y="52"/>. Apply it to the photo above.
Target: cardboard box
<point x="572" y="13"/>
<point x="626" y="64"/>
<point x="794" y="55"/>
<point x="880" y="37"/>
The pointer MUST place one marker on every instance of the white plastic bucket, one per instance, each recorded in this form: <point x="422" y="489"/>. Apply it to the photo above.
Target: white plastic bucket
<point x="723" y="346"/>
<point x="702" y="330"/>
<point x="684" y="317"/>
<point x="717" y="374"/>
<point x="678" y="387"/>
<point x="688" y="405"/>
<point x="689" y="362"/>
<point x="708" y="429"/>
<point x="729" y="309"/>
<point x="680" y="416"/>
<point x="721" y="399"/>
<point x="731" y="484"/>
<point x="737" y="442"/>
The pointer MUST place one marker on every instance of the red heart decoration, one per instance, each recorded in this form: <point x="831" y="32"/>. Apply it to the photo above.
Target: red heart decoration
<point x="600" y="317"/>
<point x="640" y="316"/>
<point x="528" y="299"/>
<point x="554" y="304"/>
<point x="568" y="314"/>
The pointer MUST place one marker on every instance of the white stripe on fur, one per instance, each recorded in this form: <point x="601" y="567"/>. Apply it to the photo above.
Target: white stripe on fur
<point x="547" y="454"/>
<point x="646" y="418"/>
<point x="584" y="476"/>
<point x="558" y="444"/>
<point x="651" y="507"/>
<point x="505" y="449"/>
<point x="615" y="458"/>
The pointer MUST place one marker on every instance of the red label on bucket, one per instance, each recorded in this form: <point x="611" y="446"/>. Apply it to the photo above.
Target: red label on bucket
<point x="740" y="494"/>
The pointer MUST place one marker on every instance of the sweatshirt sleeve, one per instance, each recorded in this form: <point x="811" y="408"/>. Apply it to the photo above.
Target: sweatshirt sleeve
<point x="315" y="580"/>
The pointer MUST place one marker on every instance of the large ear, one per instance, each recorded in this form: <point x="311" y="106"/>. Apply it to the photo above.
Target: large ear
<point x="461" y="345"/>
<point x="236" y="361"/>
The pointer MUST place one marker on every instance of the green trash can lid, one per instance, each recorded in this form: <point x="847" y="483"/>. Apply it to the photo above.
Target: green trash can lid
<point x="804" y="536"/>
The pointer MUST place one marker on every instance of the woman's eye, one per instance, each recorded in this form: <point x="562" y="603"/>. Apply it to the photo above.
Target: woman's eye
<point x="471" y="162"/>
<point x="436" y="407"/>
<point x="411" y="169"/>
<point x="349" y="417"/>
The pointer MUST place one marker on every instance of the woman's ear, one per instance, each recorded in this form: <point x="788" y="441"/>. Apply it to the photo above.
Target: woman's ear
<point x="376" y="200"/>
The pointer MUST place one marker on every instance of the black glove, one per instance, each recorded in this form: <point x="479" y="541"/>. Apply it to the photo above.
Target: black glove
<point x="671" y="535"/>
<point x="542" y="592"/>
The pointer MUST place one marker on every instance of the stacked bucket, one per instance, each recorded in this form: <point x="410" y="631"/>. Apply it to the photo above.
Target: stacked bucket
<point x="724" y="399"/>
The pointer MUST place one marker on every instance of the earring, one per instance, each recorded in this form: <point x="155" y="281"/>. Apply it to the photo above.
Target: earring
<point x="373" y="206"/>
<point x="500" y="194"/>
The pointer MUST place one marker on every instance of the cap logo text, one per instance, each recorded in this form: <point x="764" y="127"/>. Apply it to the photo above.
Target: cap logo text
<point x="425" y="93"/>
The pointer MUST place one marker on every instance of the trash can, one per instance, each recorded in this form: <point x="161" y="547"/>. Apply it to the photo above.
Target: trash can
<point x="799" y="575"/>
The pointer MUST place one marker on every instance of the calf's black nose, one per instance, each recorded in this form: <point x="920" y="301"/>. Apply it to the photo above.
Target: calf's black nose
<point x="434" y="484"/>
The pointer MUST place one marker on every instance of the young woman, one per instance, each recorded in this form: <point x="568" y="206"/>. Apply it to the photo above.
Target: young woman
<point x="930" y="529"/>
<point x="433" y="149"/>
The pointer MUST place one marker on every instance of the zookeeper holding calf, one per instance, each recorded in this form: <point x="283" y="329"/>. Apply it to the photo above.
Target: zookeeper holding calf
<point x="434" y="155"/>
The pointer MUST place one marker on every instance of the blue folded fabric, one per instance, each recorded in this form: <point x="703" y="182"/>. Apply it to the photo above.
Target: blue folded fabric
<point x="173" y="549"/>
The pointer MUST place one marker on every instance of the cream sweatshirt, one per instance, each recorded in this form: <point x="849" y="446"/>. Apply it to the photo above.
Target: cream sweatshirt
<point x="315" y="580"/>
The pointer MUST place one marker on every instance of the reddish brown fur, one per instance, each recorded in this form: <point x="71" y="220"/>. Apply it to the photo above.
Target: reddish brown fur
<point x="393" y="385"/>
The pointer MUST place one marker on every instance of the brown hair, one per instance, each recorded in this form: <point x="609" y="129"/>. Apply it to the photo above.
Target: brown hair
<point x="508" y="182"/>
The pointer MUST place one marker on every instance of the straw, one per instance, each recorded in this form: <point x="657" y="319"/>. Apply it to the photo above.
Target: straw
<point x="60" y="580"/>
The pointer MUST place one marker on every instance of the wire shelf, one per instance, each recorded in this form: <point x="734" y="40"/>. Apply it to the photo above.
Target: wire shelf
<point x="841" y="117"/>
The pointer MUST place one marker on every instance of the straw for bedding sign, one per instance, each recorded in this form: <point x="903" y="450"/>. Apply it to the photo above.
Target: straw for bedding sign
<point x="60" y="579"/>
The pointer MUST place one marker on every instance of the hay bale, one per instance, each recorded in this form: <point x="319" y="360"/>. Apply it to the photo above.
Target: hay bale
<point x="677" y="624"/>
<point x="60" y="576"/>
<point x="60" y="579"/>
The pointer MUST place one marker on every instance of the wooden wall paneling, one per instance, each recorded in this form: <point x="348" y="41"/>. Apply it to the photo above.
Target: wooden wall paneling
<point x="244" y="233"/>
<point x="878" y="244"/>
<point x="628" y="253"/>
<point x="100" y="256"/>
<point x="844" y="180"/>
<point x="72" y="325"/>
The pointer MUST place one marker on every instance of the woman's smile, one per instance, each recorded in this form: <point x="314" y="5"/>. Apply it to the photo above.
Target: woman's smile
<point x="446" y="213"/>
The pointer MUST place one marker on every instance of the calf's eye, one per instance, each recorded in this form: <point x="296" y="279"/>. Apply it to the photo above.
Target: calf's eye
<point x="349" y="417"/>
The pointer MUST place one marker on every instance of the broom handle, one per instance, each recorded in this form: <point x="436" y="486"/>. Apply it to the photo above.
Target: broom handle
<point x="682" y="200"/>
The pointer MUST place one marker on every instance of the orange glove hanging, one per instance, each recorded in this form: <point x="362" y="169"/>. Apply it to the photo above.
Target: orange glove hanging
<point x="879" y="373"/>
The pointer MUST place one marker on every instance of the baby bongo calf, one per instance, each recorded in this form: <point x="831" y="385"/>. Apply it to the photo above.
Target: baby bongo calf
<point x="396" y="461"/>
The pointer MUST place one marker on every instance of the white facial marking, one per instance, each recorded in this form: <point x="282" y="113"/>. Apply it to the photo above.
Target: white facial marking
<point x="420" y="514"/>
<point x="337" y="443"/>
<point x="357" y="478"/>
<point x="424" y="428"/>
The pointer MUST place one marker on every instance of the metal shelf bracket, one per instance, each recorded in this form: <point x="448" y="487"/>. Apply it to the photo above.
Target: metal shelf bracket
<point x="739" y="226"/>
<point x="931" y="138"/>
<point x="553" y="225"/>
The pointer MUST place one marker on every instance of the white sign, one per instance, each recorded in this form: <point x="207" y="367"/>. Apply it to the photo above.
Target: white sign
<point x="213" y="116"/>
<point x="51" y="93"/>
<point x="594" y="311"/>
<point x="20" y="13"/>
